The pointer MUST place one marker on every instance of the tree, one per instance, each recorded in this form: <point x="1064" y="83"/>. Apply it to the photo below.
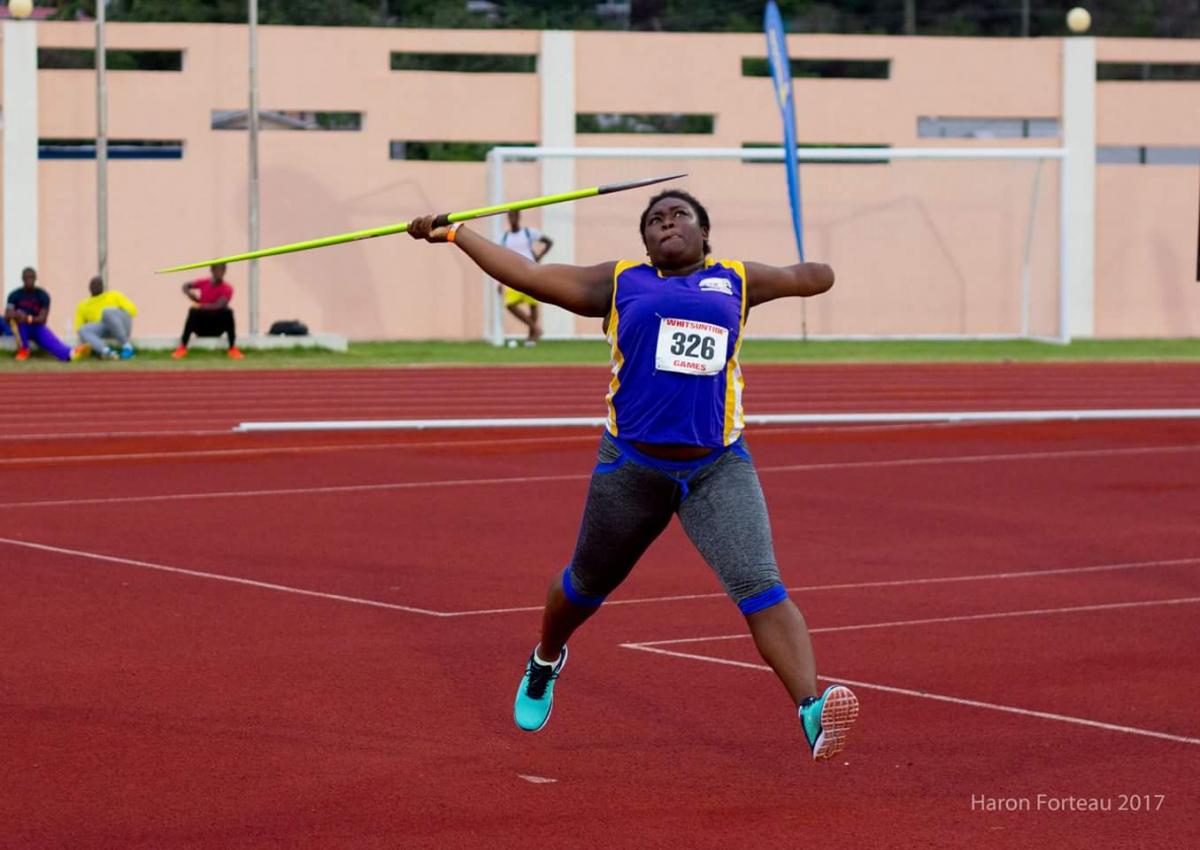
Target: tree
<point x="1130" y="18"/>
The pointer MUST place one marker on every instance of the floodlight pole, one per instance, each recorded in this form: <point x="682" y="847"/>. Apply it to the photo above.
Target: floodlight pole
<point x="252" y="128"/>
<point x="101" y="144"/>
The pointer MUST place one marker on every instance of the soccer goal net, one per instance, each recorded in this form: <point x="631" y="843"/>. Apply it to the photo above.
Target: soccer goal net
<point x="934" y="243"/>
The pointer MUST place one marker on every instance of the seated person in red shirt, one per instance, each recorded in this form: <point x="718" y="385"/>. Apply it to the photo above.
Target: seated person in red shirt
<point x="212" y="315"/>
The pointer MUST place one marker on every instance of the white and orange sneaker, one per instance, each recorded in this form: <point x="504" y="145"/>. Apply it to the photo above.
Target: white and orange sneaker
<point x="827" y="720"/>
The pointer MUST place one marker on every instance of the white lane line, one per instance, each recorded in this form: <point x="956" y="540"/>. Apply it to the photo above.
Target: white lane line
<point x="299" y="491"/>
<point x="536" y="780"/>
<point x="924" y="461"/>
<point x="399" y="443"/>
<point x="815" y="588"/>
<point x="262" y="585"/>
<point x="273" y="450"/>
<point x="41" y="435"/>
<point x="785" y="386"/>
<point x="923" y="694"/>
<point x="531" y="479"/>
<point x="962" y="618"/>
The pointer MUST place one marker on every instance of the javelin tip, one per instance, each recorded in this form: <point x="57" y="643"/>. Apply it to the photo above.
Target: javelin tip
<point x="637" y="184"/>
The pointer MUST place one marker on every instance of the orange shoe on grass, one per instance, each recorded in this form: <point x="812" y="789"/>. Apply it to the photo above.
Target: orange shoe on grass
<point x="179" y="353"/>
<point x="22" y="354"/>
<point x="236" y="354"/>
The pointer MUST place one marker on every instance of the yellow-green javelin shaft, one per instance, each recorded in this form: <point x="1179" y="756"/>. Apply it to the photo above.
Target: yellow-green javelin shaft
<point x="440" y="221"/>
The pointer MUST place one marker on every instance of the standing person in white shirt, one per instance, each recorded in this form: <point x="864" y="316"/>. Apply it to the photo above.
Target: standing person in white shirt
<point x="531" y="243"/>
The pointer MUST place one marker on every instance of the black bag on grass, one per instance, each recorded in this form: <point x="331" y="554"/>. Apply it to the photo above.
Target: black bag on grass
<point x="289" y="327"/>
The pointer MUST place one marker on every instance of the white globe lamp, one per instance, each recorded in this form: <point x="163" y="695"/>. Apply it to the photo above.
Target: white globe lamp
<point x="1079" y="20"/>
<point x="20" y="9"/>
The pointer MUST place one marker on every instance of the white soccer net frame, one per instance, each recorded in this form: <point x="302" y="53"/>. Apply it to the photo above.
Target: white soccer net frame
<point x="499" y="157"/>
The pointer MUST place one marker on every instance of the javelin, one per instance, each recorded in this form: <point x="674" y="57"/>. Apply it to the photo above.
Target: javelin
<point x="440" y="221"/>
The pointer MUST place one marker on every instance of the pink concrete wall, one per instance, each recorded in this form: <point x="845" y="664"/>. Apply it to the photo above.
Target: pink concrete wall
<point x="1146" y="216"/>
<point x="312" y="183"/>
<point x="919" y="247"/>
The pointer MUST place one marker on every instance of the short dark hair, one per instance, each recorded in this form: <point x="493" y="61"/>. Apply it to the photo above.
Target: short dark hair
<point x="686" y="197"/>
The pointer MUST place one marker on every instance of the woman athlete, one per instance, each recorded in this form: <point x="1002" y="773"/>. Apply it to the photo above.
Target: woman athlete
<point x="673" y="442"/>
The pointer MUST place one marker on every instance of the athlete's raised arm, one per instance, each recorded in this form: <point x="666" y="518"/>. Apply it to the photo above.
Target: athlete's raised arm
<point x="584" y="290"/>
<point x="766" y="283"/>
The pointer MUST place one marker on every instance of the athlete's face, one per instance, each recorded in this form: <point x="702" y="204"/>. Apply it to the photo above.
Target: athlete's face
<point x="673" y="234"/>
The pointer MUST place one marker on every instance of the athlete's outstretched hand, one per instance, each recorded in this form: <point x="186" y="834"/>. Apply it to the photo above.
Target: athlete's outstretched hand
<point x="422" y="228"/>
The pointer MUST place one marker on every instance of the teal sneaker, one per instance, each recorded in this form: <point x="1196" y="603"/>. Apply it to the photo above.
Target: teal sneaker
<point x="127" y="351"/>
<point x="535" y="696"/>
<point x="827" y="720"/>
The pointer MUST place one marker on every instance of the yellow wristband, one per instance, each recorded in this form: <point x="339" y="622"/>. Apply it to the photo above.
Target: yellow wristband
<point x="453" y="231"/>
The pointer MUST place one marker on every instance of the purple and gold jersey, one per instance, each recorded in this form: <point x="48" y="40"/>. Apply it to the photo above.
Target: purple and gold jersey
<point x="675" y="343"/>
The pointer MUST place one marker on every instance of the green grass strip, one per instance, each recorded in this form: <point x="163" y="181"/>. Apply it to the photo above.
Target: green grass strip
<point x="595" y="352"/>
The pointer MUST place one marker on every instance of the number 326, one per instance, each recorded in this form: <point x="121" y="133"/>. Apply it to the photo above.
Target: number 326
<point x="687" y="345"/>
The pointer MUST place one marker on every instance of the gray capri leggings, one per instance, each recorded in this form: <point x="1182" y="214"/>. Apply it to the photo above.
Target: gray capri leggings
<point x="720" y="504"/>
<point x="114" y="323"/>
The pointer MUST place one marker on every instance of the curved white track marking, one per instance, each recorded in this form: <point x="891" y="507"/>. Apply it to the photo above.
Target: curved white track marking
<point x="645" y="646"/>
<point x="537" y="479"/>
<point x="432" y="613"/>
<point x="962" y="618"/>
<point x="262" y="585"/>
<point x="922" y="694"/>
<point x="813" y="588"/>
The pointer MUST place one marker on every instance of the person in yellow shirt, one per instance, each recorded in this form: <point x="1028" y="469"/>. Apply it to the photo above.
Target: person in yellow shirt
<point x="104" y="316"/>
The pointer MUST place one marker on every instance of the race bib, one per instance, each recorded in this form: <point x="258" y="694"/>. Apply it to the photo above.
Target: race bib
<point x="693" y="348"/>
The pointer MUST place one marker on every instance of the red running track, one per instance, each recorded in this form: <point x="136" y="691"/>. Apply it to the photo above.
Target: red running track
<point x="247" y="641"/>
<point x="133" y="402"/>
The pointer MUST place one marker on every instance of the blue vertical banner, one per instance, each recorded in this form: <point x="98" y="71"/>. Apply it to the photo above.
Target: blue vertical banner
<point x="781" y="73"/>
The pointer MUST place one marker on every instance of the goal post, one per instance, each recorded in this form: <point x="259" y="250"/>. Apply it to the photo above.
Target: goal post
<point x="927" y="243"/>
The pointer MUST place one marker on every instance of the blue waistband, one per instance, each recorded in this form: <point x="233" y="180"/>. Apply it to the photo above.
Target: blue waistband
<point x="674" y="466"/>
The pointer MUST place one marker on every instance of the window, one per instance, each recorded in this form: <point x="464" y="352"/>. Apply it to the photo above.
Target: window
<point x="801" y="147"/>
<point x="117" y="149"/>
<point x="986" y="128"/>
<point x="446" y="151"/>
<point x="828" y="69"/>
<point x="643" y="122"/>
<point x="70" y="58"/>
<point x="1147" y="155"/>
<point x="466" y="63"/>
<point x="1146" y="71"/>
<point x="281" y="119"/>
